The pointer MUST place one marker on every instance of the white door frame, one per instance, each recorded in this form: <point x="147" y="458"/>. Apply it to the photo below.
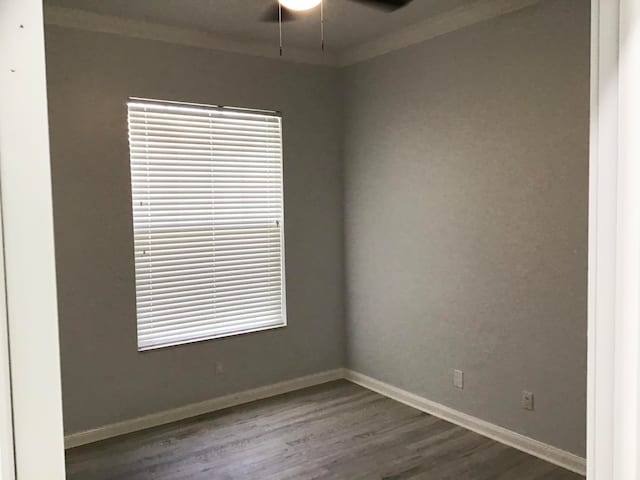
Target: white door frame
<point x="7" y="464"/>
<point x="25" y="182"/>
<point x="614" y="243"/>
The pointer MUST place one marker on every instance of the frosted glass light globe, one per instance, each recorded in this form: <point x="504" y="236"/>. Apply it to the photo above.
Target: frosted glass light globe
<point x="299" y="5"/>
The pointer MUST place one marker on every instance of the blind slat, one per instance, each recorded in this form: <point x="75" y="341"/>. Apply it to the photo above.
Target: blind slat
<point x="204" y="287"/>
<point x="204" y="323"/>
<point x="195" y="313"/>
<point x="209" y="331"/>
<point x="143" y="273"/>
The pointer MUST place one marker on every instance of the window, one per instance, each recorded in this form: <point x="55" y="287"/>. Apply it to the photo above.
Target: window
<point x="208" y="221"/>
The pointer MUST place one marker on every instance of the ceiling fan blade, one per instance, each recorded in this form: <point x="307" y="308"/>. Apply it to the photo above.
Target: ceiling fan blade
<point x="272" y="13"/>
<point x="386" y="5"/>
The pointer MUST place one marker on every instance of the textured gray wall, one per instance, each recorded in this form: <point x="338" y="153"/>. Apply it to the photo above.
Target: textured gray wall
<point x="104" y="378"/>
<point x="466" y="218"/>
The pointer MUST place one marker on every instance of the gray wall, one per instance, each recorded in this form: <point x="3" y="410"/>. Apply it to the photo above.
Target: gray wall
<point x="465" y="220"/>
<point x="466" y="161"/>
<point x="104" y="378"/>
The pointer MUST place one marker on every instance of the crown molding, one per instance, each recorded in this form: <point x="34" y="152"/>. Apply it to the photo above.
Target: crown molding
<point x="446" y="22"/>
<point x="84" y="20"/>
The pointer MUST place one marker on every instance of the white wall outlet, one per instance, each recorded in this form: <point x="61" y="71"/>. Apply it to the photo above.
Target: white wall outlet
<point x="458" y="378"/>
<point x="219" y="368"/>
<point x="527" y="400"/>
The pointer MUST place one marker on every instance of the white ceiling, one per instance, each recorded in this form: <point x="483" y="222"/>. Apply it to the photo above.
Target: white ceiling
<point x="347" y="23"/>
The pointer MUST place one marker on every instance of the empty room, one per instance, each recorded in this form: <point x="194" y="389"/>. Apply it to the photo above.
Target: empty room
<point x="319" y="239"/>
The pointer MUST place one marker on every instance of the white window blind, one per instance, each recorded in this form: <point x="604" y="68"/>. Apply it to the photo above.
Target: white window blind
<point x="207" y="219"/>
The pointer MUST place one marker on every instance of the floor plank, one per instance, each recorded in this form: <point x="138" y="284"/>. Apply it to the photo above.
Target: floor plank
<point x="336" y="431"/>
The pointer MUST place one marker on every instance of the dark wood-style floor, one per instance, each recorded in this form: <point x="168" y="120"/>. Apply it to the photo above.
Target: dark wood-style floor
<point x="336" y="431"/>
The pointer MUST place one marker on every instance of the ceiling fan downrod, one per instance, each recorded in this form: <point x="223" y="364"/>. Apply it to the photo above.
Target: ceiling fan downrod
<point x="280" y="24"/>
<point x="322" y="24"/>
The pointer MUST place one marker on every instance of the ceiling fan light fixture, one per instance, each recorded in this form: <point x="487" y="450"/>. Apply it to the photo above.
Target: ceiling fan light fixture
<point x="299" y="5"/>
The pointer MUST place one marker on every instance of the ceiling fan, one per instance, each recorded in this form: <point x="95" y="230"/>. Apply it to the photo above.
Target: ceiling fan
<point x="288" y="10"/>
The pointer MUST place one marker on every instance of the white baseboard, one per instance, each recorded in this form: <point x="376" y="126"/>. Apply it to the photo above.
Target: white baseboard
<point x="528" y="445"/>
<point x="195" y="409"/>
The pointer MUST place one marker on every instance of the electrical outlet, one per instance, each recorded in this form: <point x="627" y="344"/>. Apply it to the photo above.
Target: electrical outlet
<point x="219" y="368"/>
<point x="458" y="378"/>
<point x="527" y="400"/>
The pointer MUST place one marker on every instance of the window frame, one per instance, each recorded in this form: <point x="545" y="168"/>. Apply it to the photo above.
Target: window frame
<point x="282" y="222"/>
